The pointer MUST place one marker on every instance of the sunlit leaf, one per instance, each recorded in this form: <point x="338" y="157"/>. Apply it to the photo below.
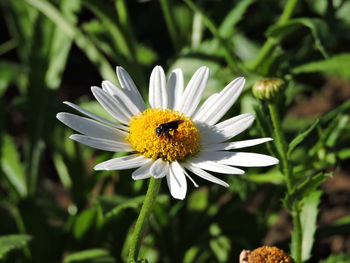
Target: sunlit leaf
<point x="96" y="255"/>
<point x="12" y="166"/>
<point x="308" y="218"/>
<point x="12" y="242"/>
<point x="85" y="222"/>
<point x="60" y="45"/>
<point x="10" y="73"/>
<point x="337" y="258"/>
<point x="317" y="27"/>
<point x="233" y="17"/>
<point x="338" y="66"/>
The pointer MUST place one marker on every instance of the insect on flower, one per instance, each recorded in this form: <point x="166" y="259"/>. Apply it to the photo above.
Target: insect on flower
<point x="165" y="128"/>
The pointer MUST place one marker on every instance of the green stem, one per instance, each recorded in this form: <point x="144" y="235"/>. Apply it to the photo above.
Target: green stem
<point x="281" y="144"/>
<point x="142" y="220"/>
<point x="297" y="237"/>
<point x="271" y="43"/>
<point x="287" y="11"/>
<point x="170" y="22"/>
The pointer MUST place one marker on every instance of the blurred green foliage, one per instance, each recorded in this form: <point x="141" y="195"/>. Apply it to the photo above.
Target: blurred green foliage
<point x="55" y="208"/>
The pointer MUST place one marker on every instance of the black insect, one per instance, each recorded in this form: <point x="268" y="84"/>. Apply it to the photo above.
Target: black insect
<point x="165" y="128"/>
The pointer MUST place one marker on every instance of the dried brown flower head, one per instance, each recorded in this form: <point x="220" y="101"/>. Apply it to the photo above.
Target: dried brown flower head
<point x="265" y="254"/>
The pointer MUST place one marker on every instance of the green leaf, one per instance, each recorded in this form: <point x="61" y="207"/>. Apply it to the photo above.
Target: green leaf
<point x="343" y="108"/>
<point x="308" y="218"/>
<point x="103" y="12"/>
<point x="85" y="222"/>
<point x="9" y="72"/>
<point x="12" y="167"/>
<point x="338" y="258"/>
<point x="96" y="255"/>
<point x="12" y="242"/>
<point x="336" y="132"/>
<point x="79" y="38"/>
<point x="317" y="27"/>
<point x="338" y="66"/>
<point x="233" y="17"/>
<point x="60" y="45"/>
<point x="198" y="200"/>
<point x="62" y="170"/>
<point x="301" y="137"/>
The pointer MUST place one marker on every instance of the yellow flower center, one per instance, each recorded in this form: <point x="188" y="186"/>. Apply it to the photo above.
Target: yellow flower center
<point x="163" y="133"/>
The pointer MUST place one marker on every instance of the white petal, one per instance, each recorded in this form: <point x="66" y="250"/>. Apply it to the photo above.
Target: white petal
<point x="194" y="91"/>
<point x="189" y="177"/>
<point x="225" y="130"/>
<point x="158" y="97"/>
<point x="171" y="89"/>
<point x="222" y="102"/>
<point x="121" y="163"/>
<point x="179" y="89"/>
<point x="112" y="105"/>
<point x="120" y="95"/>
<point x="235" y="145"/>
<point x="143" y="172"/>
<point x="203" y="174"/>
<point x="177" y="181"/>
<point x="102" y="144"/>
<point x="205" y="107"/>
<point x="216" y="167"/>
<point x="159" y="168"/>
<point x="130" y="88"/>
<point x="94" y="116"/>
<point x="239" y="158"/>
<point x="90" y="127"/>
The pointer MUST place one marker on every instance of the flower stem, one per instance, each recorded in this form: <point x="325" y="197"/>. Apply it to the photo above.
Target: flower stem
<point x="280" y="143"/>
<point x="142" y="220"/>
<point x="297" y="237"/>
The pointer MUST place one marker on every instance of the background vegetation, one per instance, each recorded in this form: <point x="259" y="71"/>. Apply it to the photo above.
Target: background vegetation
<point x="55" y="208"/>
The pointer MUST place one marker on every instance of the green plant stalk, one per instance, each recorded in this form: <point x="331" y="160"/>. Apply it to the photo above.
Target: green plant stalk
<point x="288" y="174"/>
<point x="171" y="25"/>
<point x="230" y="59"/>
<point x="298" y="237"/>
<point x="280" y="144"/>
<point x="271" y="43"/>
<point x="142" y="220"/>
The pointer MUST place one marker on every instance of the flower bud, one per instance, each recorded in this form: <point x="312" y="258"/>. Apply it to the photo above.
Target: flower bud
<point x="265" y="254"/>
<point x="267" y="89"/>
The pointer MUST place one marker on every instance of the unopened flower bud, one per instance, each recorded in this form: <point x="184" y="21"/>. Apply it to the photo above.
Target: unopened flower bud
<point x="267" y="89"/>
<point x="265" y="254"/>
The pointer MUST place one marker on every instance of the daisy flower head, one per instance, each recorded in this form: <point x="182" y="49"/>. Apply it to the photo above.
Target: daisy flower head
<point x="175" y="135"/>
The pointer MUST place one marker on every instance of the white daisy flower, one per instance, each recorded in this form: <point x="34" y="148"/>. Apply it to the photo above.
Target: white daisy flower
<point x="175" y="135"/>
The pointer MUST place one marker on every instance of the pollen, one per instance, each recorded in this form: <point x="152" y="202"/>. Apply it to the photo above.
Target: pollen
<point x="176" y="143"/>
